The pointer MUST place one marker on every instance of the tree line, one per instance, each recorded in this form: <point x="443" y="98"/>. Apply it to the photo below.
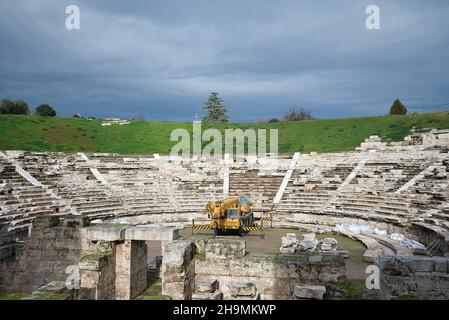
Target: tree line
<point x="217" y="112"/>
<point x="21" y="107"/>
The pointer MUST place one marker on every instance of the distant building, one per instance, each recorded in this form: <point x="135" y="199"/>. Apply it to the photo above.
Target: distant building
<point x="114" y="121"/>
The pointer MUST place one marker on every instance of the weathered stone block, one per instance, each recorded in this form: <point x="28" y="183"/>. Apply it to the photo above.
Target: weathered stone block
<point x="151" y="233"/>
<point x="176" y="273"/>
<point x="306" y="245"/>
<point x="328" y="244"/>
<point x="326" y="247"/>
<point x="207" y="296"/>
<point x="130" y="269"/>
<point x="178" y="252"/>
<point x="223" y="248"/>
<point x="206" y="286"/>
<point x="309" y="237"/>
<point x="105" y="233"/>
<point x="302" y="291"/>
<point x="289" y="240"/>
<point x="238" y="289"/>
<point x="419" y="264"/>
<point x="441" y="265"/>
<point x="291" y="249"/>
<point x="176" y="290"/>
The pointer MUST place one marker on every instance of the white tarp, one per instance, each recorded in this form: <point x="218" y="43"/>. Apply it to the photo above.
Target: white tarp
<point x="364" y="229"/>
<point x="359" y="229"/>
<point x="407" y="243"/>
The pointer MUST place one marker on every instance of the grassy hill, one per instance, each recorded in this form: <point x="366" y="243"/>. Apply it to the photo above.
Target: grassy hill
<point x="74" y="135"/>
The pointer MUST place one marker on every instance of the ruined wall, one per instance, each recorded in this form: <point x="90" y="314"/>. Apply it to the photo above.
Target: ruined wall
<point x="118" y="271"/>
<point x="418" y="277"/>
<point x="226" y="260"/>
<point x="97" y="276"/>
<point x="435" y="138"/>
<point x="54" y="245"/>
<point x="428" y="234"/>
<point x="131" y="269"/>
<point x="178" y="269"/>
<point x="114" y="263"/>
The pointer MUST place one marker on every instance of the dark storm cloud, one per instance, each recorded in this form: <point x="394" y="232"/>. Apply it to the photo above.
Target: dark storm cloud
<point x="162" y="58"/>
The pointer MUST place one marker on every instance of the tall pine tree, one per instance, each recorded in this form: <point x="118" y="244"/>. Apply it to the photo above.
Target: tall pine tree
<point x="216" y="110"/>
<point x="398" y="108"/>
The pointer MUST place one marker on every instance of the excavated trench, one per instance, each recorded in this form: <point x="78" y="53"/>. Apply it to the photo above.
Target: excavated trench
<point x="355" y="265"/>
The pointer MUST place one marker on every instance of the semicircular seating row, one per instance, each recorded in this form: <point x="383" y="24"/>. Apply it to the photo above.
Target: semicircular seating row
<point x="326" y="188"/>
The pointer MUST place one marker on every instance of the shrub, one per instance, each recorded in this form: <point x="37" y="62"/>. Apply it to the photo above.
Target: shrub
<point x="296" y="114"/>
<point x="45" y="110"/>
<point x="14" y="107"/>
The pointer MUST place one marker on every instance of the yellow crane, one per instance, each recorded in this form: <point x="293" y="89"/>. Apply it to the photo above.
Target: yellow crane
<point x="232" y="213"/>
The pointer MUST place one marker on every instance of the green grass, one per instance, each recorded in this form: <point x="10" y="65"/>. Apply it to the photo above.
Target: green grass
<point x="12" y="296"/>
<point x="94" y="256"/>
<point x="351" y="289"/>
<point x="35" y="133"/>
<point x="154" y="291"/>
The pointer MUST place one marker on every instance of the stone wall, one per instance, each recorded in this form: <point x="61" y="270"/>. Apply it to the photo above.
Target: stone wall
<point x="97" y="276"/>
<point x="131" y="269"/>
<point x="417" y="277"/>
<point x="54" y="245"/>
<point x="428" y="234"/>
<point x="178" y="269"/>
<point x="226" y="260"/>
<point x="119" y="273"/>
<point x="435" y="138"/>
<point x="114" y="263"/>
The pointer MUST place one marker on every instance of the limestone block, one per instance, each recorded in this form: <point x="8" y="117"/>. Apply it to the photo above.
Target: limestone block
<point x="326" y="247"/>
<point x="178" y="252"/>
<point x="217" y="295"/>
<point x="441" y="265"/>
<point x="328" y="244"/>
<point x="289" y="241"/>
<point x="291" y="249"/>
<point x="419" y="264"/>
<point x="255" y="297"/>
<point x="331" y="241"/>
<point x="105" y="233"/>
<point x="245" y="289"/>
<point x="331" y="273"/>
<point x="306" y="245"/>
<point x="89" y="265"/>
<point x="225" y="248"/>
<point x="176" y="273"/>
<point x="206" y="286"/>
<point x="151" y="233"/>
<point x="309" y="237"/>
<point x="302" y="291"/>
<point x="177" y="290"/>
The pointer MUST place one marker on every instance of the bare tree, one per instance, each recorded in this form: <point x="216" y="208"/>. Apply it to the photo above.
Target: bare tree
<point x="296" y="113"/>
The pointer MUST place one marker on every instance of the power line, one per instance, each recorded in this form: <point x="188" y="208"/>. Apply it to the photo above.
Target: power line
<point x="432" y="107"/>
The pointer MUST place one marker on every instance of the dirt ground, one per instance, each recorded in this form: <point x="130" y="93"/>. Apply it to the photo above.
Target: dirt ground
<point x="355" y="266"/>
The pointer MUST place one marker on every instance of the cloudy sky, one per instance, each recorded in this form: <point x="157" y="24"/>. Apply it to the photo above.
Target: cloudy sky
<point x="161" y="59"/>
